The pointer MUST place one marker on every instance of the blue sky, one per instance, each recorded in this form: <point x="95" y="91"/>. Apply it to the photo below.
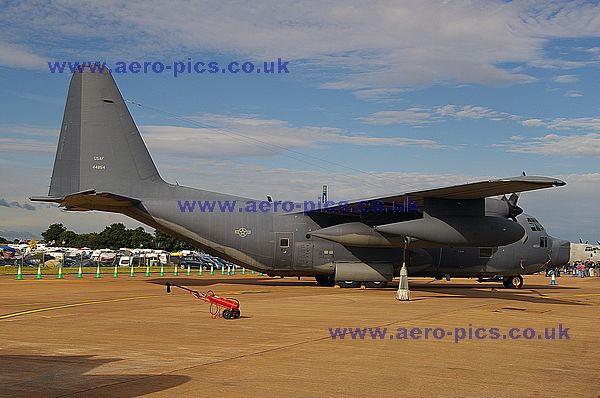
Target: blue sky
<point x="415" y="95"/>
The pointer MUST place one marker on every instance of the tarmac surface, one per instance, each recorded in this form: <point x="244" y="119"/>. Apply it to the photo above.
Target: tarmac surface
<point x="127" y="337"/>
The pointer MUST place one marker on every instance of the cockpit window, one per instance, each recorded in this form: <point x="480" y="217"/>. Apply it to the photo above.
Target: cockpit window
<point x="534" y="224"/>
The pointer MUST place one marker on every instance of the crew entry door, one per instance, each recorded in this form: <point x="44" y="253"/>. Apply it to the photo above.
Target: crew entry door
<point x="284" y="249"/>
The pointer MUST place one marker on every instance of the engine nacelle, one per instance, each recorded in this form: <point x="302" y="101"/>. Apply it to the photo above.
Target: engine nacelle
<point x="357" y="234"/>
<point x="496" y="207"/>
<point x="458" y="230"/>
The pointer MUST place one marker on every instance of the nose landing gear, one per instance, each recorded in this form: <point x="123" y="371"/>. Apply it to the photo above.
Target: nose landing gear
<point x="513" y="282"/>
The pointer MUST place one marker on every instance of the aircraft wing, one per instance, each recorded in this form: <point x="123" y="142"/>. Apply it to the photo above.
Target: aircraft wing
<point x="458" y="215"/>
<point x="475" y="190"/>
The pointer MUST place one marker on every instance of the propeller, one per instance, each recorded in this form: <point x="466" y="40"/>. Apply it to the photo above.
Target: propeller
<point x="586" y="242"/>
<point x="513" y="209"/>
<point x="598" y="242"/>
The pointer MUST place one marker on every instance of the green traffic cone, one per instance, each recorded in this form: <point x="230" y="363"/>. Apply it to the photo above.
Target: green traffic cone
<point x="19" y="274"/>
<point x="222" y="270"/>
<point x="132" y="272"/>
<point x="116" y="272"/>
<point x="252" y="272"/>
<point x="233" y="270"/>
<point x="39" y="272"/>
<point x="176" y="271"/>
<point x="200" y="271"/>
<point x="189" y="271"/>
<point x="243" y="270"/>
<point x="212" y="270"/>
<point x="80" y="273"/>
<point x="98" y="271"/>
<point x="162" y="270"/>
<point x="147" y="270"/>
<point x="60" y="272"/>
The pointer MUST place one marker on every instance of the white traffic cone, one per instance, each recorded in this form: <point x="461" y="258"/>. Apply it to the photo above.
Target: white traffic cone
<point x="403" y="293"/>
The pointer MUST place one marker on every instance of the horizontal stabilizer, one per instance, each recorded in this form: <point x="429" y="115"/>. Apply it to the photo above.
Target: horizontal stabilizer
<point x="90" y="200"/>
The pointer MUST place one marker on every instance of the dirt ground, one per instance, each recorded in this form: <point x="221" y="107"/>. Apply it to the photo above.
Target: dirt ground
<point x="127" y="337"/>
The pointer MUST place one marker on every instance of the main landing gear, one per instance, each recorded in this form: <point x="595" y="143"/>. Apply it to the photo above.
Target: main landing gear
<point x="513" y="282"/>
<point x="325" y="280"/>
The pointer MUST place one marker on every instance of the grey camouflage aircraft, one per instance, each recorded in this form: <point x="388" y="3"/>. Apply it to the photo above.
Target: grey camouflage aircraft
<point x="103" y="164"/>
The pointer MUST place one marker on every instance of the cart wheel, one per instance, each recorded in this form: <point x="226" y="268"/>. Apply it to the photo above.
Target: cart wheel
<point x="236" y="314"/>
<point x="227" y="314"/>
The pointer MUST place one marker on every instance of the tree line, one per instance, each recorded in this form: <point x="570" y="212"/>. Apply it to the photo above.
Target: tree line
<point x="113" y="236"/>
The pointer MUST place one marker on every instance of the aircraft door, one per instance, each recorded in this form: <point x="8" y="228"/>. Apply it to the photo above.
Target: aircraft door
<point x="284" y="249"/>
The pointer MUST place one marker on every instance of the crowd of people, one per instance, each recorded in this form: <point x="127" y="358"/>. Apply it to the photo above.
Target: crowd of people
<point x="582" y="268"/>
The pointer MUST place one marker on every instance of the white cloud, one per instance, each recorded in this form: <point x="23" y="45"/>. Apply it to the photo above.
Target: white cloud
<point x="476" y="112"/>
<point x="560" y="123"/>
<point x="17" y="56"/>
<point x="582" y="123"/>
<point x="360" y="46"/>
<point x="25" y="145"/>
<point x="378" y="93"/>
<point x="565" y="79"/>
<point x="567" y="212"/>
<point x="12" y="129"/>
<point x="554" y="144"/>
<point x="414" y="116"/>
<point x="573" y="93"/>
<point x="419" y="116"/>
<point x="221" y="135"/>
<point x="532" y="122"/>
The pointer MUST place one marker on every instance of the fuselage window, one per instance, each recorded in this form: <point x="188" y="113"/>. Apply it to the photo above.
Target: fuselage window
<point x="534" y="224"/>
<point x="284" y="242"/>
<point x="543" y="241"/>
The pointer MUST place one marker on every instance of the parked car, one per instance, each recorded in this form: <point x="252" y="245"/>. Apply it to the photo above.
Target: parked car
<point x="75" y="261"/>
<point x="193" y="261"/>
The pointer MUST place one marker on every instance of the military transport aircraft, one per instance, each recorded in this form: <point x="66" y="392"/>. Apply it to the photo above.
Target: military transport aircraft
<point x="103" y="164"/>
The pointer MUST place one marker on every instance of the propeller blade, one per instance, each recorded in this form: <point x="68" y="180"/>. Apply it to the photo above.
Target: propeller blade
<point x="513" y="209"/>
<point x="580" y="241"/>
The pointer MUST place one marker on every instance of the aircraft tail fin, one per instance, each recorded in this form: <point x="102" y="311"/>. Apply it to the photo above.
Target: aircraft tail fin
<point x="100" y="147"/>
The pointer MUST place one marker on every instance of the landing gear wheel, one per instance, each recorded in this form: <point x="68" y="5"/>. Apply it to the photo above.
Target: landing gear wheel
<point x="375" y="285"/>
<point x="349" y="284"/>
<point x="236" y="314"/>
<point x="227" y="314"/>
<point x="513" y="282"/>
<point x="325" y="280"/>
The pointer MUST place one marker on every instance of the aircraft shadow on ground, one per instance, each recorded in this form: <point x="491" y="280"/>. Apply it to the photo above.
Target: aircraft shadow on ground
<point x="57" y="375"/>
<point x="533" y="294"/>
<point x="530" y="294"/>
<point x="185" y="281"/>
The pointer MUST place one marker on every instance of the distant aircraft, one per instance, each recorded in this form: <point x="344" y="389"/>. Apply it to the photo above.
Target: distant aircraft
<point x="585" y="251"/>
<point x="103" y="164"/>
